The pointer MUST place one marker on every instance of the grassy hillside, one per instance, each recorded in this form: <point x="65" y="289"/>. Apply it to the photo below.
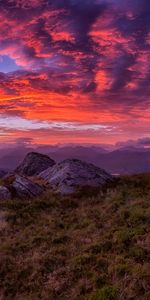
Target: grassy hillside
<point x="92" y="246"/>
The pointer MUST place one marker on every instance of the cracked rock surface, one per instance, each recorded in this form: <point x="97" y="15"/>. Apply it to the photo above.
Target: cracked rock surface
<point x="67" y="175"/>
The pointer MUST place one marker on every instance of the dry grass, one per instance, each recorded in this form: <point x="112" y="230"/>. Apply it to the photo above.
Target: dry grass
<point x="94" y="245"/>
<point x="3" y="222"/>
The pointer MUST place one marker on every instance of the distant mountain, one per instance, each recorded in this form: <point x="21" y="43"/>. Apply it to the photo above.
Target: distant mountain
<point x="122" y="161"/>
<point x="128" y="159"/>
<point x="133" y="149"/>
<point x="11" y="157"/>
<point x="125" y="161"/>
<point x="79" y="152"/>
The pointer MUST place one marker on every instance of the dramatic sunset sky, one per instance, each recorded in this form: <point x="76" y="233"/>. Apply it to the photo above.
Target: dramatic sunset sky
<point x="74" y="70"/>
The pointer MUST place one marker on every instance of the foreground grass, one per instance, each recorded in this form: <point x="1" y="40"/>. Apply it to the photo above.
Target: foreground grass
<point x="92" y="246"/>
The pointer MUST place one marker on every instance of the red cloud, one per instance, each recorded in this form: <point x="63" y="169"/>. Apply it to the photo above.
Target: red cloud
<point x="76" y="67"/>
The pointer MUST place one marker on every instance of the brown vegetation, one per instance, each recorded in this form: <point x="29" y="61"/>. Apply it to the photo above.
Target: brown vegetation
<point x="94" y="245"/>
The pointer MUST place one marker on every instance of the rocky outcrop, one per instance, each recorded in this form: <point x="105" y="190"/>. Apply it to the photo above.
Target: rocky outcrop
<point x="66" y="176"/>
<point x="34" y="163"/>
<point x="4" y="193"/>
<point x="25" y="188"/>
<point x="16" y="186"/>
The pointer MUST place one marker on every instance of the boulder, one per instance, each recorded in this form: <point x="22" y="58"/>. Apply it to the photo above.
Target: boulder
<point x="34" y="163"/>
<point x="4" y="193"/>
<point x="25" y="188"/>
<point x="69" y="174"/>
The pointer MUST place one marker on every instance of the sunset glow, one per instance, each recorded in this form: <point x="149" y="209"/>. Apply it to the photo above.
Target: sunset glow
<point x="74" y="71"/>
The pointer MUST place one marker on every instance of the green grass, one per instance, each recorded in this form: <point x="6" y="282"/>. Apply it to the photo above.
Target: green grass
<point x="106" y="293"/>
<point x="89" y="246"/>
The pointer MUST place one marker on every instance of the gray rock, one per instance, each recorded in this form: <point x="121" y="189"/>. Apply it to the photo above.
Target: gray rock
<point x="34" y="163"/>
<point x="25" y="188"/>
<point x="66" y="176"/>
<point x="4" y="193"/>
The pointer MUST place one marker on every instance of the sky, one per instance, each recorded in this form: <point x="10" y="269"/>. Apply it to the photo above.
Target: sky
<point x="74" y="71"/>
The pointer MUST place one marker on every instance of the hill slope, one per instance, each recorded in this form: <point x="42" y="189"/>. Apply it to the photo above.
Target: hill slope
<point x="92" y="246"/>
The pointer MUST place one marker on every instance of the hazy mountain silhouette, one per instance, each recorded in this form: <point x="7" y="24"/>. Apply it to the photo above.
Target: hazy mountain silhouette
<point x="127" y="159"/>
<point x="11" y="157"/>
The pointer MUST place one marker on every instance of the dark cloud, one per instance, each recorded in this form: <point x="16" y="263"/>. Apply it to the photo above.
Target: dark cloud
<point x="139" y="143"/>
<point x="38" y="48"/>
<point x="94" y="49"/>
<point x="144" y="141"/>
<point x="122" y="73"/>
<point x="139" y="23"/>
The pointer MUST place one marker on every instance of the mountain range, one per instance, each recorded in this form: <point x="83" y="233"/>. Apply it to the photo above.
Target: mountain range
<point x="124" y="160"/>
